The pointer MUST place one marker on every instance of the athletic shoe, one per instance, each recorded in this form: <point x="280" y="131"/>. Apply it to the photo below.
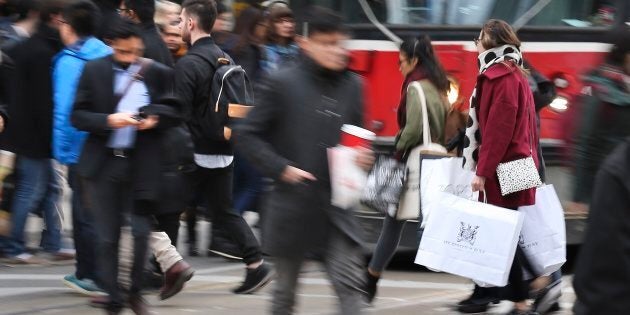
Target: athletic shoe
<point x="83" y="286"/>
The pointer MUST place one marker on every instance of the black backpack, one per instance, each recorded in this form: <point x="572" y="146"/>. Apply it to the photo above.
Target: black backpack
<point x="231" y="98"/>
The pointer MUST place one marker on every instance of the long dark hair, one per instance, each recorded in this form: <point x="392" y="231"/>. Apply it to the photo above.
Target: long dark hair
<point x="245" y="28"/>
<point x="422" y="49"/>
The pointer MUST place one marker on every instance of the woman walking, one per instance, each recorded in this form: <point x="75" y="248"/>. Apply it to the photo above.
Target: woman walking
<point x="501" y="129"/>
<point x="417" y="63"/>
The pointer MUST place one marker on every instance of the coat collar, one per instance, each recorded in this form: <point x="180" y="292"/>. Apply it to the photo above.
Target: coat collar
<point x="499" y="70"/>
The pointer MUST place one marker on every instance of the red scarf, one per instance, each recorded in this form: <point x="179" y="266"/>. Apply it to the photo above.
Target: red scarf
<point x="416" y="75"/>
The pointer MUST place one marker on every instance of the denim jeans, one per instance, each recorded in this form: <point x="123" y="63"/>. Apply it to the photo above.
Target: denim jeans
<point x="248" y="185"/>
<point x="36" y="189"/>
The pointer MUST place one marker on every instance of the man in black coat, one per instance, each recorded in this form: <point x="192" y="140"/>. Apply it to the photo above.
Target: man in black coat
<point x="299" y="114"/>
<point x="602" y="272"/>
<point x="142" y="12"/>
<point x="122" y="157"/>
<point x="30" y="136"/>
<point x="213" y="153"/>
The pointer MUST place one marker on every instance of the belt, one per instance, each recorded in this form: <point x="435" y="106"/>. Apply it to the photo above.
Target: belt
<point x="121" y="153"/>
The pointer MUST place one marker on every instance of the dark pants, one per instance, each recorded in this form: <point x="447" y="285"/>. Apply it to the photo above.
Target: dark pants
<point x="344" y="262"/>
<point x="216" y="186"/>
<point x="169" y="223"/>
<point x="83" y="230"/>
<point x="517" y="289"/>
<point x="248" y="185"/>
<point x="112" y="200"/>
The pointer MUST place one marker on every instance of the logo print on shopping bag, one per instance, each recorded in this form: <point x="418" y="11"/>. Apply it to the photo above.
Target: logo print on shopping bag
<point x="467" y="233"/>
<point x="521" y="240"/>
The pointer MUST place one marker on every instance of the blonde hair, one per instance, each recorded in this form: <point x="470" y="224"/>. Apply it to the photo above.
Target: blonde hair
<point x="163" y="9"/>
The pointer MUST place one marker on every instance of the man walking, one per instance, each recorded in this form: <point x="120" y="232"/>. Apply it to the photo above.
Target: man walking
<point x="299" y="114"/>
<point x="79" y="25"/>
<point x="29" y="137"/>
<point x="121" y="158"/>
<point x="213" y="153"/>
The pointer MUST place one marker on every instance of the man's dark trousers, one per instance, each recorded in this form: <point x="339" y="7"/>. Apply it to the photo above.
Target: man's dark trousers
<point x="216" y="185"/>
<point x="83" y="230"/>
<point x="112" y="201"/>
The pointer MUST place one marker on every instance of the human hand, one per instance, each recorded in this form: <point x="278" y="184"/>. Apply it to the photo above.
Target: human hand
<point x="150" y="122"/>
<point x="120" y="120"/>
<point x="1" y="124"/>
<point x="478" y="183"/>
<point x="294" y="175"/>
<point x="365" y="158"/>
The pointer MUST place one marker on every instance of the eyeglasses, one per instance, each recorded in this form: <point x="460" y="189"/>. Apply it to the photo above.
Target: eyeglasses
<point x="285" y="20"/>
<point x="476" y="40"/>
<point x="125" y="10"/>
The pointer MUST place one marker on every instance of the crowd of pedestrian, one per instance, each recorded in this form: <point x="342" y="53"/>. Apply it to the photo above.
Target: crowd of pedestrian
<point x="118" y="98"/>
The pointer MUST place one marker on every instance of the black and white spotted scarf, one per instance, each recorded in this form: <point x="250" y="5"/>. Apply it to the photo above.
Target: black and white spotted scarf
<point x="472" y="139"/>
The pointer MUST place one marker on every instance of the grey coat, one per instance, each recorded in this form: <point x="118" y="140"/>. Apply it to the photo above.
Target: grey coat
<point x="298" y="115"/>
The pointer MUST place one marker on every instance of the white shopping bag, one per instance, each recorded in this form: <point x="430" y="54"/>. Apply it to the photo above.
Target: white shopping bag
<point x="443" y="174"/>
<point x="543" y="236"/>
<point x="347" y="179"/>
<point x="470" y="239"/>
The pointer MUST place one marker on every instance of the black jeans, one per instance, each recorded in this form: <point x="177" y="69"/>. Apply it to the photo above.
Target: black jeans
<point x="83" y="230"/>
<point x="111" y="198"/>
<point x="216" y="186"/>
<point x="169" y="223"/>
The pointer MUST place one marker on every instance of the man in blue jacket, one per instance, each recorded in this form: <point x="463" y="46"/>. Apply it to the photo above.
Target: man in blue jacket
<point x="79" y="25"/>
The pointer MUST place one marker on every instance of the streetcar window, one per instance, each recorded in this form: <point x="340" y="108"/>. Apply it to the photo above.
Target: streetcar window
<point x="573" y="13"/>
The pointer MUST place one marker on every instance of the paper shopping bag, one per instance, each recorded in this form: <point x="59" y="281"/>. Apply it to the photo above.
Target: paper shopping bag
<point x="543" y="236"/>
<point x="443" y="174"/>
<point x="347" y="179"/>
<point x="470" y="239"/>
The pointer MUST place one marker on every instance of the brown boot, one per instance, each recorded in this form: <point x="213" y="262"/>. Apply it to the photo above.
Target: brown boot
<point x="174" y="279"/>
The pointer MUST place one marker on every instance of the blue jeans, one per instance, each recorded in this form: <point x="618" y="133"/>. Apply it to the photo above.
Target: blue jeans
<point x="248" y="185"/>
<point x="36" y="188"/>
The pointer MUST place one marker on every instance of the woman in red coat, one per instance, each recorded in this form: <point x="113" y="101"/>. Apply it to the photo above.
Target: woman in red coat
<point x="501" y="129"/>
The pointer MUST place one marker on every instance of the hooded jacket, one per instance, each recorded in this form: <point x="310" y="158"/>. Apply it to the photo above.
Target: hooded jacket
<point x="605" y="112"/>
<point x="67" y="69"/>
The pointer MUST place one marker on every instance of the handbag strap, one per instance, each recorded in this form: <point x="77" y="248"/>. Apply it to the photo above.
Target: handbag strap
<point x="137" y="76"/>
<point x="426" y="131"/>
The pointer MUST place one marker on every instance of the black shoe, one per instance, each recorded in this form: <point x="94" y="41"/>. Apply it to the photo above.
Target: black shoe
<point x="255" y="279"/>
<point x="517" y="312"/>
<point x="478" y="301"/>
<point x="371" y="286"/>
<point x="547" y="299"/>
<point x="469" y="307"/>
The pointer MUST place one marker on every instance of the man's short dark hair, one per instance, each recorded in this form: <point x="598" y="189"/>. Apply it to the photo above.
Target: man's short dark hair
<point x="205" y="12"/>
<point x="83" y="17"/>
<point x="123" y="29"/>
<point x="316" y="19"/>
<point x="20" y="9"/>
<point x="144" y="9"/>
<point x="51" y="7"/>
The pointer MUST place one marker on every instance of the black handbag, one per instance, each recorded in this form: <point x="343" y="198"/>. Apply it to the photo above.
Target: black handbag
<point x="384" y="185"/>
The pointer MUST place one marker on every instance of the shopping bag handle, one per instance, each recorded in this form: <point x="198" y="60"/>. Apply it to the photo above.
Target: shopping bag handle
<point x="485" y="196"/>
